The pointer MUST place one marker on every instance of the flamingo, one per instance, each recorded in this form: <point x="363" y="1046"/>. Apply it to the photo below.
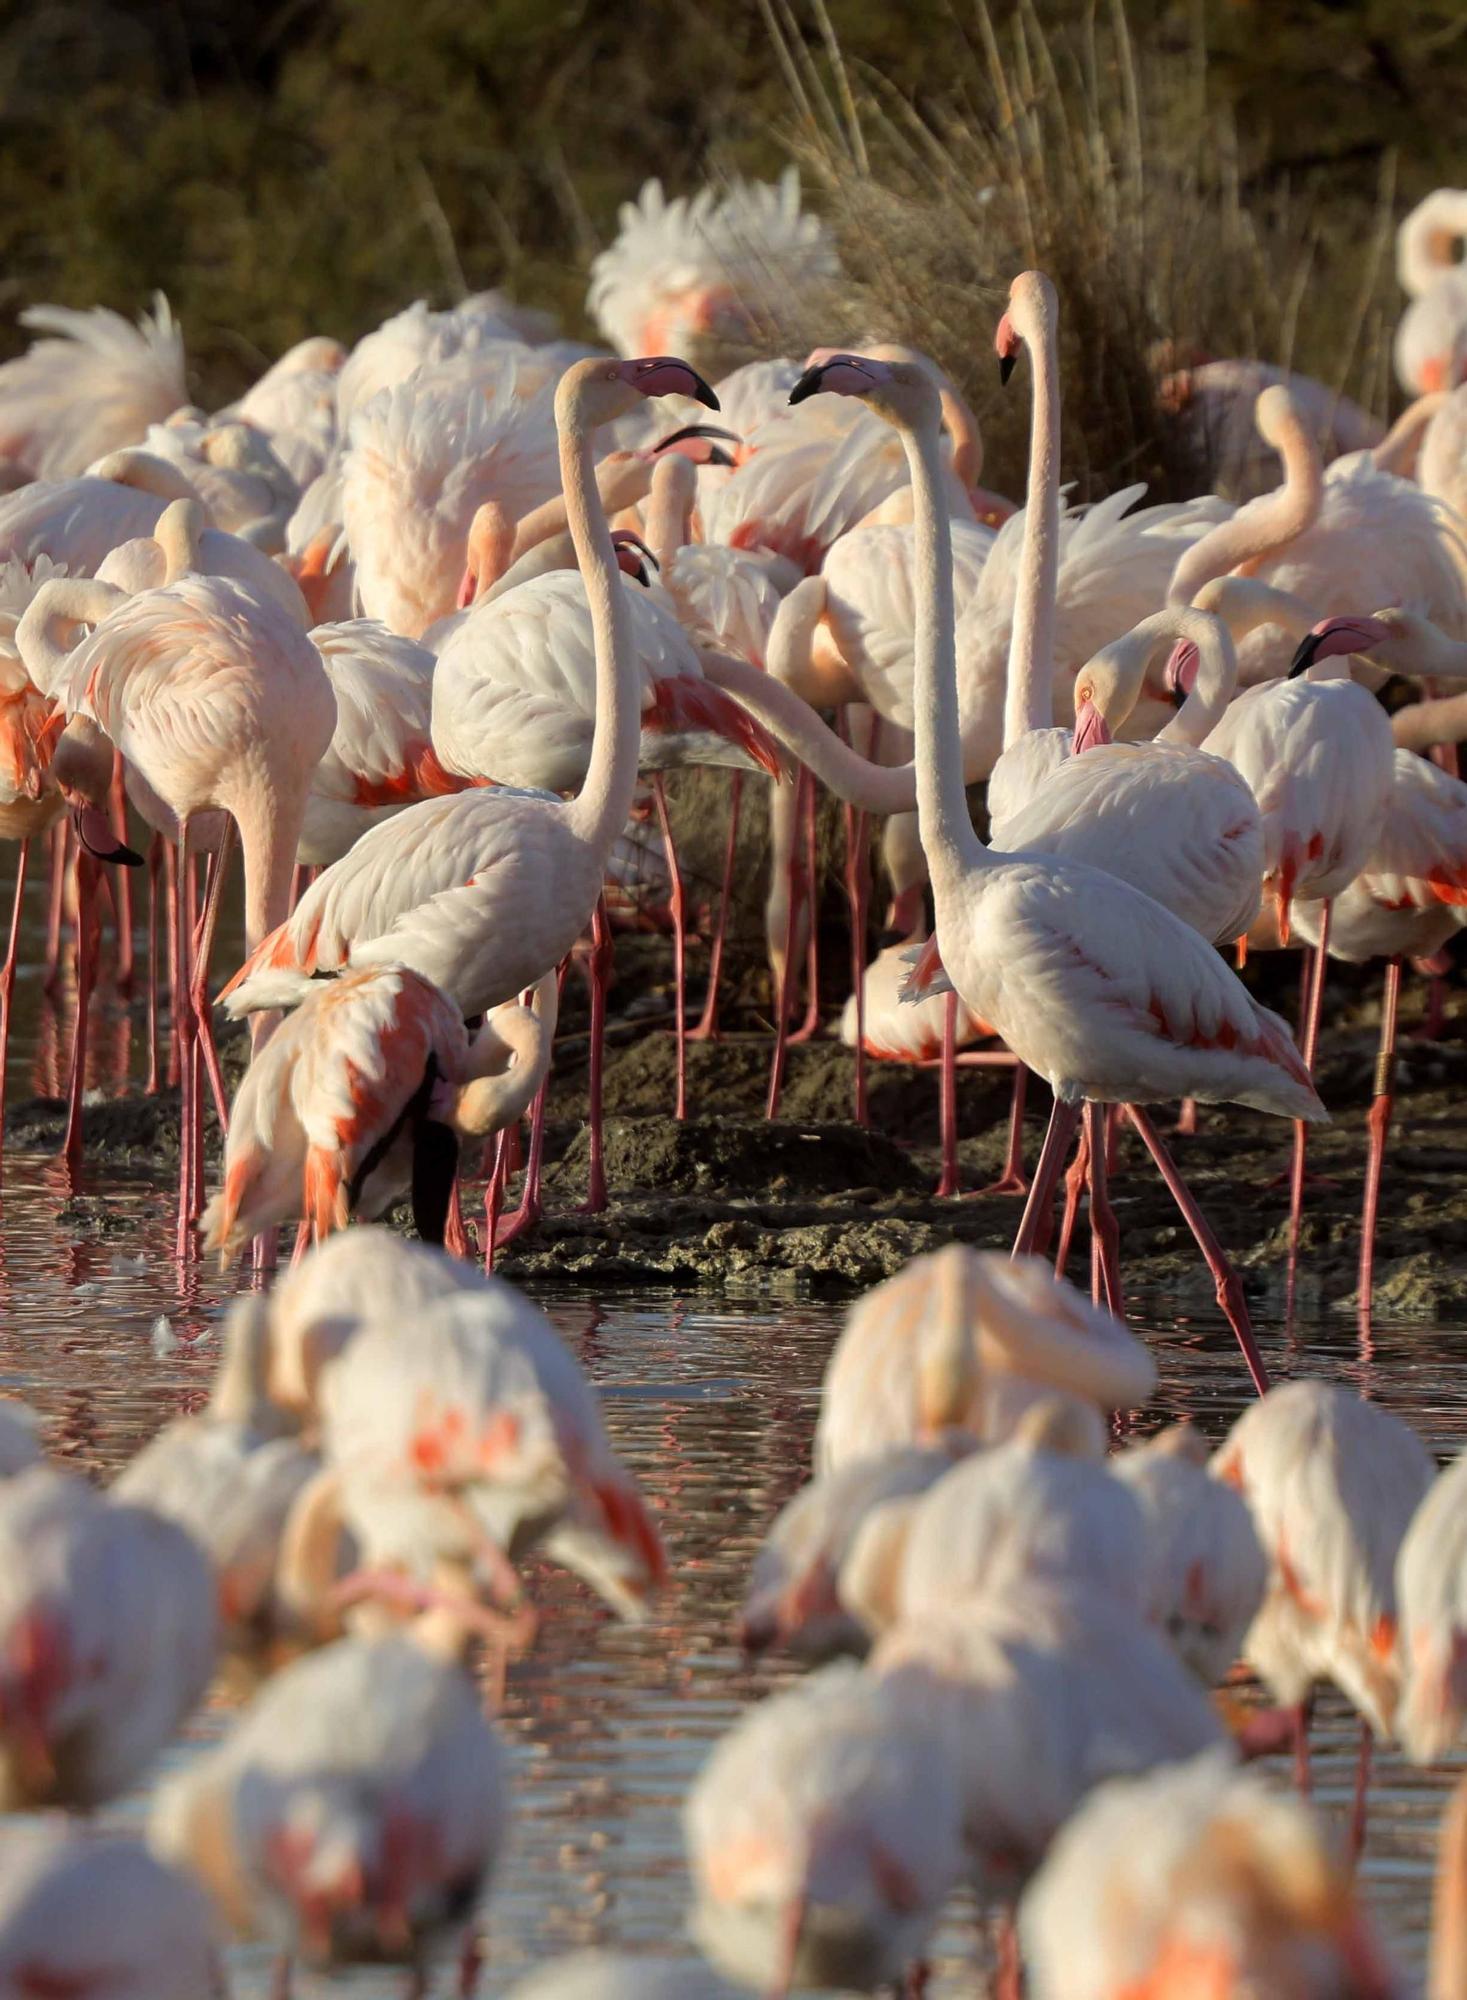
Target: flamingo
<point x="1197" y="1878"/>
<point x="417" y="337"/>
<point x="1441" y="469"/>
<point x="107" y="1639"/>
<point x="338" y="1286"/>
<point x="1034" y="1507"/>
<point x="1332" y="1483"/>
<point x="101" y="1917"/>
<point x="792" y="1599"/>
<point x="230" y="1477"/>
<point x="1431" y="339"/>
<point x="357" y="1808"/>
<point x="233" y="469"/>
<point x="294" y="404"/>
<point x="1091" y="984"/>
<point x="1216" y="401"/>
<point x="1205" y="1565"/>
<point x="218" y="700"/>
<point x="823" y="1836"/>
<point x="95" y="384"/>
<point x="477" y="1441"/>
<point x="483" y="893"/>
<point x="364" y="1091"/>
<point x="381" y="756"/>
<point x="963" y="1340"/>
<point x="1430" y="1573"/>
<point x="711" y="271"/>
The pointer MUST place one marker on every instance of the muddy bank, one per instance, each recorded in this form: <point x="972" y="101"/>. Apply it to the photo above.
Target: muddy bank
<point x="814" y="1201"/>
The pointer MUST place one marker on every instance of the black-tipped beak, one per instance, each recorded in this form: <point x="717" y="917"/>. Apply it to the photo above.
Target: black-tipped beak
<point x="809" y="383"/>
<point x="702" y="392"/>
<point x="86" y="821"/>
<point x="1006" y="366"/>
<point x="1304" y="654"/>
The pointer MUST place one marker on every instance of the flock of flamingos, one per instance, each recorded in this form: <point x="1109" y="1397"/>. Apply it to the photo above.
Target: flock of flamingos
<point x="412" y="624"/>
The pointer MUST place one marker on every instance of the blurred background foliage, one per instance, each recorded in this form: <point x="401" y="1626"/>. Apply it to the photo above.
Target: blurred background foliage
<point x="1226" y="172"/>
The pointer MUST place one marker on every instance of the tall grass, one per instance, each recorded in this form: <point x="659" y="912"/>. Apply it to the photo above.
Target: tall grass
<point x="1063" y="145"/>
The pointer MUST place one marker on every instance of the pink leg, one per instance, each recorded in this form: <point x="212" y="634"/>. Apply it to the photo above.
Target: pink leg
<point x="1307" y="1048"/>
<point x="1229" y="1289"/>
<point x="707" y="1028"/>
<point x="155" y="863"/>
<point x="1008" y="1977"/>
<point x="1105" y="1263"/>
<point x="811" y="1021"/>
<point x="1011" y="1180"/>
<point x="529" y="1211"/>
<point x="7" y="975"/>
<point x="455" y="1236"/>
<point x="1186" y="1125"/>
<point x="122" y="888"/>
<point x="302" y="1242"/>
<point x="88" y="872"/>
<point x="470" y="1963"/>
<point x="183" y="1016"/>
<point x="1062" y="1122"/>
<point x="1360" y="1806"/>
<point x="1076" y="1175"/>
<point x="60" y="837"/>
<point x="858" y="896"/>
<point x="1303" y="1782"/>
<point x="679" y="944"/>
<point x="784" y="999"/>
<point x="1436" y="1009"/>
<point x="202" y="1005"/>
<point x="175" y="964"/>
<point x="1379" y="1126"/>
<point x="494" y="1200"/>
<point x="602" y="952"/>
<point x="948" y="1100"/>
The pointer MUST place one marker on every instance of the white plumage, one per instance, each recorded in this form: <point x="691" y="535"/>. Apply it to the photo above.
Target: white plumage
<point x="1431" y="1594"/>
<point x="95" y="384"/>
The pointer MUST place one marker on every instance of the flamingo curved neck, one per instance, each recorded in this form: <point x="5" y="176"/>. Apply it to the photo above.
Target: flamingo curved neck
<point x="599" y="810"/>
<point x="877" y="788"/>
<point x="1447" y="1972"/>
<point x="1245" y="605"/>
<point x="1444" y="719"/>
<point x="669" y="511"/>
<point x="1029" y="700"/>
<point x="1397" y="450"/>
<point x="1216" y="682"/>
<point x="1266" y="525"/>
<point x="511" y="1055"/>
<point x="948" y="840"/>
<point x="46" y="634"/>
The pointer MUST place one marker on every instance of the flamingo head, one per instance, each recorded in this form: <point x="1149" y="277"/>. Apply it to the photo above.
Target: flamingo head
<point x="901" y="391"/>
<point x="600" y="390"/>
<point x="1334" y="638"/>
<point x="702" y="443"/>
<point x="633" y="557"/>
<point x="1179" y="676"/>
<point x="1091" y="729"/>
<point x="1030" y="314"/>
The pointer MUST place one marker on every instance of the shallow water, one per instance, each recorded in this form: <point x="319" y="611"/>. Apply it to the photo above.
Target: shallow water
<point x="713" y="1404"/>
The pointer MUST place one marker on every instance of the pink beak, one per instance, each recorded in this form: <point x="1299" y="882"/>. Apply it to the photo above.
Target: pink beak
<point x="1333" y="638"/>
<point x="1180" y="673"/>
<point x="468" y="584"/>
<point x="1091" y="729"/>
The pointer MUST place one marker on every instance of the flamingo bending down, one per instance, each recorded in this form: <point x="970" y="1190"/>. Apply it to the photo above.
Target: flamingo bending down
<point x="485" y="892"/>
<point x="355" y="1810"/>
<point x="1094" y="986"/>
<point x="1332" y="1482"/>
<point x="364" y="1091"/>
<point x="218" y="700"/>
<point x="1196" y="1878"/>
<point x="80" y="1914"/>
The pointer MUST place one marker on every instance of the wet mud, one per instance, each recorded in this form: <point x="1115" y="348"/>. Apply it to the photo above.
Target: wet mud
<point x="816" y="1203"/>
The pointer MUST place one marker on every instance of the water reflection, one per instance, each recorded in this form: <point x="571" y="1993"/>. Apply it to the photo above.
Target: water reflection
<point x="713" y="1403"/>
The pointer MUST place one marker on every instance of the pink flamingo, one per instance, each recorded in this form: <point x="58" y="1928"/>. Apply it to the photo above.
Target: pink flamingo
<point x="485" y="892"/>
<point x="218" y="700"/>
<point x="363" y="1092"/>
<point x="1097" y="988"/>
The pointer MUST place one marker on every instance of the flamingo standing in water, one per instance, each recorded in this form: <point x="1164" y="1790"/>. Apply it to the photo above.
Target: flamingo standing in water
<point x="218" y="700"/>
<point x="1094" y="986"/>
<point x="485" y="892"/>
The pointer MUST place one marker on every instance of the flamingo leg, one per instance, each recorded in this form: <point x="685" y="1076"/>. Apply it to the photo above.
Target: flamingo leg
<point x="88" y="873"/>
<point x="1308" y="1046"/>
<point x="1035" y="1222"/>
<point x="600" y="965"/>
<point x="183" y="1017"/>
<point x="784" y="998"/>
<point x="1229" y="1287"/>
<point x="530" y="1209"/>
<point x="470" y="1963"/>
<point x="679" y="944"/>
<point x="1186" y="1125"/>
<point x="947" y="1094"/>
<point x="1105" y="1264"/>
<point x="155" y="863"/>
<point x="1379" y="1126"/>
<point x="175" y="965"/>
<point x="60" y="838"/>
<point x="858" y="896"/>
<point x="7" y="976"/>
<point x="122" y="888"/>
<point x="494" y="1199"/>
<point x="1360" y="1805"/>
<point x="811" y="1021"/>
<point x="707" y="1028"/>
<point x="1011" y="1180"/>
<point x="1008" y="1977"/>
<point x="1076" y="1175"/>
<point x="202" y="1006"/>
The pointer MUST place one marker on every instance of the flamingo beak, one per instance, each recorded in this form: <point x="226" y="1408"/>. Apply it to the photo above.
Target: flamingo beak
<point x="1333" y="638"/>
<point x="1091" y="730"/>
<point x="1006" y="345"/>
<point x="666" y="375"/>
<point x="94" y="833"/>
